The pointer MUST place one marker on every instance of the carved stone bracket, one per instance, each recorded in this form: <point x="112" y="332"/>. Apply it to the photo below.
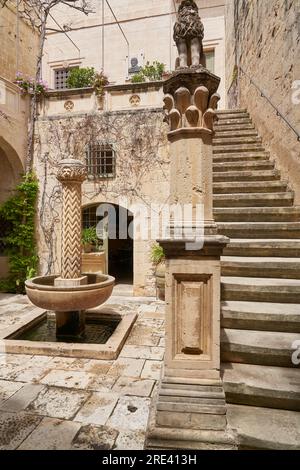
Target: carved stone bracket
<point x="197" y="110"/>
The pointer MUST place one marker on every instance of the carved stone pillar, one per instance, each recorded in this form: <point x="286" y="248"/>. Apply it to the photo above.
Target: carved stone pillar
<point x="71" y="174"/>
<point x="190" y="410"/>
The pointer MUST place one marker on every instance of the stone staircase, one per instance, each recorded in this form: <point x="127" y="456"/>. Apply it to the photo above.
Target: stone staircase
<point x="255" y="208"/>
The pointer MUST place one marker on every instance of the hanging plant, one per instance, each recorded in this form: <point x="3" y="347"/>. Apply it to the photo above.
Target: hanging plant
<point x="30" y="85"/>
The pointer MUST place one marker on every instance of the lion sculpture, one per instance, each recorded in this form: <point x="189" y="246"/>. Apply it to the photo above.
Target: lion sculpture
<point x="188" y="35"/>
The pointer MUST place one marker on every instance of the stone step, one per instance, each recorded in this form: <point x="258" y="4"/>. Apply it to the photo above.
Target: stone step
<point x="233" y="127"/>
<point x="236" y="157"/>
<point x="262" y="316"/>
<point x="240" y="148"/>
<point x="222" y="112"/>
<point x="248" y="140"/>
<point x="233" y="115"/>
<point x="278" y="268"/>
<point x="254" y="199"/>
<point x="275" y="248"/>
<point x="250" y="187"/>
<point x="247" y="176"/>
<point x="243" y="165"/>
<point x="235" y="133"/>
<point x="191" y="387"/>
<point x="264" y="428"/>
<point x="191" y="394"/>
<point x="254" y="289"/>
<point x="257" y="214"/>
<point x="270" y="387"/>
<point x="230" y="122"/>
<point x="272" y="230"/>
<point x="258" y="347"/>
<point x="199" y="401"/>
<point x="197" y="408"/>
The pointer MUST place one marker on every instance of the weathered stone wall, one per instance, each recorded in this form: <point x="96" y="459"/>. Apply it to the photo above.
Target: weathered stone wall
<point x="18" y="49"/>
<point x="18" y="44"/>
<point x="142" y="175"/>
<point x="263" y="37"/>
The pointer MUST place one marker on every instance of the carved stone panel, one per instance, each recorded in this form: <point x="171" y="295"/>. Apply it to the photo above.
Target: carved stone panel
<point x="193" y="315"/>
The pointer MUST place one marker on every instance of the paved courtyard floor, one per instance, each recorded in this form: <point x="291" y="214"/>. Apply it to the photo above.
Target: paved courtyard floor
<point x="49" y="403"/>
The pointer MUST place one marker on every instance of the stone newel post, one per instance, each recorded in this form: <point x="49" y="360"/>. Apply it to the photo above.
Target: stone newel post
<point x="71" y="174"/>
<point x="190" y="410"/>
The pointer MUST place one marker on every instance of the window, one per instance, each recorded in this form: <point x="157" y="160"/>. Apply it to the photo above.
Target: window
<point x="101" y="161"/>
<point x="89" y="218"/>
<point x="210" y="60"/>
<point x="61" y="77"/>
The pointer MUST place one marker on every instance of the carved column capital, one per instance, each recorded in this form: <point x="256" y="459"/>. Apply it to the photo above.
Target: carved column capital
<point x="191" y="100"/>
<point x="71" y="170"/>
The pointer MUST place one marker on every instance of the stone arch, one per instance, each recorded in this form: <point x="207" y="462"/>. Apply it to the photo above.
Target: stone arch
<point x="11" y="169"/>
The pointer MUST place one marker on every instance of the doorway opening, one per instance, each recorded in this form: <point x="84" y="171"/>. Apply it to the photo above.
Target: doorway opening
<point x="114" y="240"/>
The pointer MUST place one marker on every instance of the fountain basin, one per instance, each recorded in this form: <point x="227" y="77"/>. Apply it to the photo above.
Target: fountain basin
<point x="42" y="292"/>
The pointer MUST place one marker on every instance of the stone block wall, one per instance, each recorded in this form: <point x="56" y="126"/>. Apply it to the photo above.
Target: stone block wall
<point x="18" y="44"/>
<point x="263" y="37"/>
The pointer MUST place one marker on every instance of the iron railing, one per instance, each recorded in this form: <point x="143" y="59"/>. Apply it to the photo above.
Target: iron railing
<point x="278" y="113"/>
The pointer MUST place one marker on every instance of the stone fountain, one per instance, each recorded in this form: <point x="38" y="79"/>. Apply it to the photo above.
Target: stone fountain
<point x="71" y="293"/>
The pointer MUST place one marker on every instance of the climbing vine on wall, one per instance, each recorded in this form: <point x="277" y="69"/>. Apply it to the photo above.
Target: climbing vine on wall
<point x="139" y="139"/>
<point x="18" y="215"/>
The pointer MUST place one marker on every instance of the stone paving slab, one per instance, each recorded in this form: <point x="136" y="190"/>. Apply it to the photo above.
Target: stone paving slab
<point x="127" y="367"/>
<point x="22" y="368"/>
<point x="103" y="383"/>
<point x="7" y="389"/>
<point x="22" y="398"/>
<point x="20" y="359"/>
<point x="130" y="414"/>
<point x="30" y="374"/>
<point x="130" y="440"/>
<point x="15" y="427"/>
<point x="51" y="434"/>
<point x="97" y="409"/>
<point x="68" y="379"/>
<point x="152" y="370"/>
<point x="142" y="336"/>
<point x="58" y="402"/>
<point x="95" y="438"/>
<point x="67" y="363"/>
<point x="133" y="386"/>
<point x="143" y="352"/>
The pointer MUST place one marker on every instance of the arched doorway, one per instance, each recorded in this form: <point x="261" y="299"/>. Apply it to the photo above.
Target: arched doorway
<point x="116" y="223"/>
<point x="10" y="175"/>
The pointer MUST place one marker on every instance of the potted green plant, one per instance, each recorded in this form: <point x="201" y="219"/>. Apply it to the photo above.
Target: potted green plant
<point x="81" y="77"/>
<point x="149" y="73"/>
<point x="158" y="259"/>
<point x="89" y="239"/>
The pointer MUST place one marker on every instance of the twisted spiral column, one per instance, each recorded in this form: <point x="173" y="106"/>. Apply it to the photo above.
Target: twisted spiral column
<point x="71" y="174"/>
